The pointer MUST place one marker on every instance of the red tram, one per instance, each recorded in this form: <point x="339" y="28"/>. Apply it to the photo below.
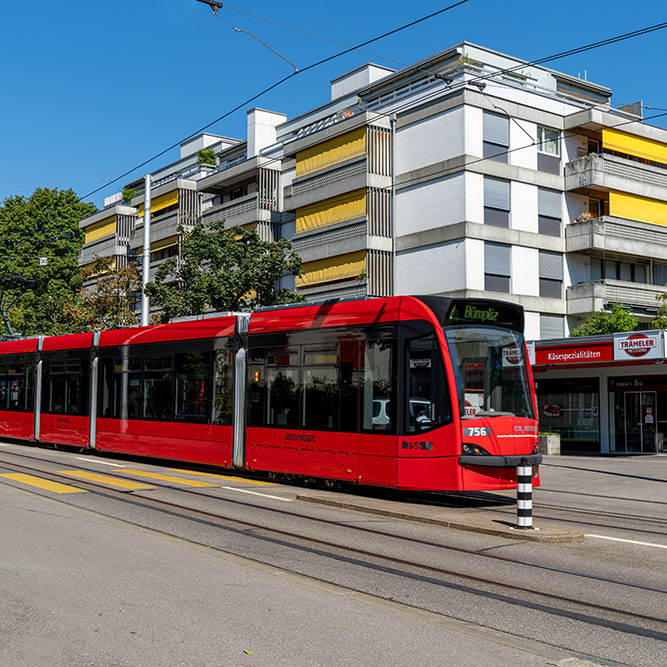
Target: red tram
<point x="427" y="393"/>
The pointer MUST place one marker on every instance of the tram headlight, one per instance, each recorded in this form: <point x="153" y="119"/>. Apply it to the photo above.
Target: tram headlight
<point x="475" y="450"/>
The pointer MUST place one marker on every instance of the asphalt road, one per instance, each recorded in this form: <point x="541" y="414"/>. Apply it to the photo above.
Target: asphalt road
<point x="102" y="578"/>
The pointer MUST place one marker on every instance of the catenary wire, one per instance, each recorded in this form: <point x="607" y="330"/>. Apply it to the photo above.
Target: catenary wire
<point x="275" y="85"/>
<point x="432" y="94"/>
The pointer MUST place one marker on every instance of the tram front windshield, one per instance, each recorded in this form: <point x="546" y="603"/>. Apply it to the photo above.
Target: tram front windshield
<point x="490" y="368"/>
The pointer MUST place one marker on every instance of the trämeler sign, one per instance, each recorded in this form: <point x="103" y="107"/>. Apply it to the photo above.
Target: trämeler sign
<point x="639" y="345"/>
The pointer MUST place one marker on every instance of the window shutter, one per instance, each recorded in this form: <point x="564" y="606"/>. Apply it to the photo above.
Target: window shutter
<point x="496" y="129"/>
<point x="497" y="259"/>
<point x="551" y="326"/>
<point x="551" y="265"/>
<point x="497" y="193"/>
<point x="549" y="203"/>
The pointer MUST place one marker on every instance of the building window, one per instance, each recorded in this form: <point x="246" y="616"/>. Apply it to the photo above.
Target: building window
<point x="497" y="267"/>
<point x="548" y="150"/>
<point x="549" y="212"/>
<point x="551" y="326"/>
<point x="551" y="274"/>
<point x="548" y="141"/>
<point x="611" y="269"/>
<point x="496" y="136"/>
<point x="496" y="202"/>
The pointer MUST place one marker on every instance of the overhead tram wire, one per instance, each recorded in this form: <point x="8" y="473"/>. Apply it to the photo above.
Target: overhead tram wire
<point x="481" y="78"/>
<point x="275" y="85"/>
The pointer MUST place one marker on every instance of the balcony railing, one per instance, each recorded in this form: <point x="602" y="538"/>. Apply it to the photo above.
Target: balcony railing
<point x="609" y="172"/>
<point x="588" y="298"/>
<point x="239" y="211"/>
<point x="620" y="235"/>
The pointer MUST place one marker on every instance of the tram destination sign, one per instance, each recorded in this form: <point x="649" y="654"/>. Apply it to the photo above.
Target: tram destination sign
<point x="639" y="345"/>
<point x="484" y="312"/>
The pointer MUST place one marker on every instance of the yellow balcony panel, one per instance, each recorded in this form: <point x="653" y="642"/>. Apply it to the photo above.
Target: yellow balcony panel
<point x="330" y="211"/>
<point x="161" y="202"/>
<point x="331" y="269"/>
<point x="634" y="207"/>
<point x="331" y="152"/>
<point x="632" y="145"/>
<point x="100" y="229"/>
<point x="90" y="267"/>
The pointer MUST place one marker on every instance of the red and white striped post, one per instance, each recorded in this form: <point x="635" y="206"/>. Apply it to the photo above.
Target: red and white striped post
<point x="524" y="496"/>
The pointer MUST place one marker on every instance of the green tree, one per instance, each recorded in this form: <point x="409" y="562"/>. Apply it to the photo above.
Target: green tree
<point x="206" y="156"/>
<point x="227" y="270"/>
<point x="660" y="320"/>
<point x="109" y="303"/>
<point x="44" y="225"/>
<point x="619" y="319"/>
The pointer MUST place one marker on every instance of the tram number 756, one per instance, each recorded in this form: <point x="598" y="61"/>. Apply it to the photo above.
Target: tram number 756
<point x="417" y="445"/>
<point x="477" y="430"/>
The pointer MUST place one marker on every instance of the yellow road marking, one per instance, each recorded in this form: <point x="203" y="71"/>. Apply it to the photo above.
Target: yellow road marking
<point x="42" y="483"/>
<point x="165" y="478"/>
<point x="105" y="479"/>
<point x="228" y="478"/>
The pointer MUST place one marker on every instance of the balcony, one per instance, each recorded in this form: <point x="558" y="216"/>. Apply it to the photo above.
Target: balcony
<point x="601" y="173"/>
<point x="589" y="298"/>
<point x="618" y="235"/>
<point x="241" y="211"/>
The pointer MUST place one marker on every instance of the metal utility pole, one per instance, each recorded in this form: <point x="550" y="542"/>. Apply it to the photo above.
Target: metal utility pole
<point x="146" y="266"/>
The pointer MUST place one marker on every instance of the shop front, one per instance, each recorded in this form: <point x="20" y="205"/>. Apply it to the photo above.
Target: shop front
<point x="603" y="394"/>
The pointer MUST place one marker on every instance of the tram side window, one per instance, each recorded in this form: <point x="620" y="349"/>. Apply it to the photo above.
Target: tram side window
<point x="378" y="405"/>
<point x="17" y="386"/>
<point x="65" y="383"/>
<point x="193" y="386"/>
<point x="282" y="389"/>
<point x="223" y="382"/>
<point x="320" y="387"/>
<point x="427" y="402"/>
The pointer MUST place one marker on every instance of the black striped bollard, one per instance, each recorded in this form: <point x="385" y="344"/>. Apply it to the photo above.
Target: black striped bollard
<point x="524" y="496"/>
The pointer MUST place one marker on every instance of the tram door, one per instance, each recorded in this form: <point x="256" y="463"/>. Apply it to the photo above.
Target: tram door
<point x="634" y="421"/>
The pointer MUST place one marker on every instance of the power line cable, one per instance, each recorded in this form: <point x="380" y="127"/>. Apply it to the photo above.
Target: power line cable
<point x="474" y="81"/>
<point x="275" y="85"/>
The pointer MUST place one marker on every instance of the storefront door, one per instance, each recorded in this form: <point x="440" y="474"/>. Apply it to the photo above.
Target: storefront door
<point x="634" y="428"/>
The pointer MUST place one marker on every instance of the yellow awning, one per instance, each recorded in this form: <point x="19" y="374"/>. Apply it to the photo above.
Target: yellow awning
<point x="163" y="201"/>
<point x="87" y="267"/>
<point x="637" y="208"/>
<point x="100" y="229"/>
<point x="330" y="152"/>
<point x="633" y="145"/>
<point x="330" y="211"/>
<point x="330" y="269"/>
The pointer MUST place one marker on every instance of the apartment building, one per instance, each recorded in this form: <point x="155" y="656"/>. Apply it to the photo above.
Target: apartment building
<point x="470" y="173"/>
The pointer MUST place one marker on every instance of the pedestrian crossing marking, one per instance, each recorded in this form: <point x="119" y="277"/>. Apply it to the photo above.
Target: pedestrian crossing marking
<point x="105" y="479"/>
<point x="41" y="483"/>
<point x="227" y="478"/>
<point x="165" y="478"/>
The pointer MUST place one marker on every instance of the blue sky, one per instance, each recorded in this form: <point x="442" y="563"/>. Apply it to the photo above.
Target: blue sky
<point x="91" y="89"/>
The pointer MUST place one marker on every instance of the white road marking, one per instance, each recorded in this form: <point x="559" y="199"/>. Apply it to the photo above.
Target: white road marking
<point x="2" y="444"/>
<point x="104" y="463"/>
<point x="255" y="493"/>
<point x="619" y="539"/>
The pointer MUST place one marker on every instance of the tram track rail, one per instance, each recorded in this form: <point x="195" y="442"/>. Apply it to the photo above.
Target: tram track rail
<point x="585" y="610"/>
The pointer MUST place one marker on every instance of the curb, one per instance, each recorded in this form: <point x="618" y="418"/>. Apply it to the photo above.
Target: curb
<point x="544" y="534"/>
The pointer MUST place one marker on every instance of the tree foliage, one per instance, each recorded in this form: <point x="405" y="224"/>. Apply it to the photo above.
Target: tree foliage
<point x="226" y="270"/>
<point x="619" y="319"/>
<point x="44" y="225"/>
<point x="660" y="320"/>
<point x="107" y="304"/>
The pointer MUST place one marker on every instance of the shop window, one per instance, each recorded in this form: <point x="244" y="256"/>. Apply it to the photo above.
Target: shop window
<point x="571" y="409"/>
